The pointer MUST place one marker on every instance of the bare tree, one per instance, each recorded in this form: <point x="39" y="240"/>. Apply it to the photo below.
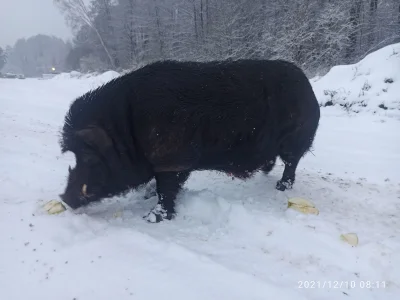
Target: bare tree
<point x="315" y="34"/>
<point x="77" y="13"/>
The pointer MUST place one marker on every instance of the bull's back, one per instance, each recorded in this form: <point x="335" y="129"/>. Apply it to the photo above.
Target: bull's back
<point x="220" y="110"/>
<point x="220" y="87"/>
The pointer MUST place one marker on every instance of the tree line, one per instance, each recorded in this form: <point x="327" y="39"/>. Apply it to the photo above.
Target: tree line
<point x="315" y="34"/>
<point x="35" y="56"/>
<point x="126" y="34"/>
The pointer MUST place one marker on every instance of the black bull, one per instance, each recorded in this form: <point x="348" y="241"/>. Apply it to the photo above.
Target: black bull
<point x="169" y="118"/>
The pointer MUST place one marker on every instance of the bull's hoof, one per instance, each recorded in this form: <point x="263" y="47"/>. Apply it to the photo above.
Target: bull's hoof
<point x="158" y="214"/>
<point x="283" y="185"/>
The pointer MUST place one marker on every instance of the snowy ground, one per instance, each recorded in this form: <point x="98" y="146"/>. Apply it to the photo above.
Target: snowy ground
<point x="231" y="240"/>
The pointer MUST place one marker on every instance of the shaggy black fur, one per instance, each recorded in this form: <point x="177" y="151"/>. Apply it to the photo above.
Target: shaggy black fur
<point x="170" y="118"/>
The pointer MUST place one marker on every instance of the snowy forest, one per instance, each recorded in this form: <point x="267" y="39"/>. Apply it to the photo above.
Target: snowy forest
<point x="126" y="34"/>
<point x="315" y="34"/>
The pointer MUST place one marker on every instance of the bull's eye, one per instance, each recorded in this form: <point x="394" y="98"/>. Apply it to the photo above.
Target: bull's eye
<point x="84" y="190"/>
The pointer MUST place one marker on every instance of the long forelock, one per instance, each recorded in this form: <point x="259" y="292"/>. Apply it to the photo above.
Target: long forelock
<point x="65" y="134"/>
<point x="76" y="116"/>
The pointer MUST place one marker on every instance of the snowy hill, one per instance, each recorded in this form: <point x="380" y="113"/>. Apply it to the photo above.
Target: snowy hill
<point x="232" y="240"/>
<point x="372" y="85"/>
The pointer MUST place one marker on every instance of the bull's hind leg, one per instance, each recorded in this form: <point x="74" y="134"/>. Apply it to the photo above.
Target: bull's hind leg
<point x="291" y="151"/>
<point x="291" y="161"/>
<point x="169" y="185"/>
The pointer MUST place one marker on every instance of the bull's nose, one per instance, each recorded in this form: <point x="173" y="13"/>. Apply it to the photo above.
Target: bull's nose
<point x="68" y="201"/>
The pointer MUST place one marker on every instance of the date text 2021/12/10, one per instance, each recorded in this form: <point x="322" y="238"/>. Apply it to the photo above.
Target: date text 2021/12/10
<point x="338" y="284"/>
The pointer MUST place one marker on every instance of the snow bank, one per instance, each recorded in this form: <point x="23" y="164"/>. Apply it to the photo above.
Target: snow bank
<point x="85" y="82"/>
<point x="106" y="76"/>
<point x="63" y="76"/>
<point x="372" y="85"/>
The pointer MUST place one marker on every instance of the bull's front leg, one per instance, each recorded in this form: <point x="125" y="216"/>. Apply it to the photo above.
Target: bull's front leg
<point x="169" y="185"/>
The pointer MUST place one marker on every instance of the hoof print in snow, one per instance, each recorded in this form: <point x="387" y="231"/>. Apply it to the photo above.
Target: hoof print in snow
<point x="388" y="80"/>
<point x="54" y="207"/>
<point x="350" y="238"/>
<point x="158" y="214"/>
<point x="302" y="205"/>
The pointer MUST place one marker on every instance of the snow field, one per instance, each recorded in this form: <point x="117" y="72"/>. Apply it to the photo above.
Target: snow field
<point x="230" y="240"/>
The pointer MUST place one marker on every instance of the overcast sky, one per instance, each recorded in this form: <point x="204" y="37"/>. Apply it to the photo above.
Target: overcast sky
<point x="24" y="18"/>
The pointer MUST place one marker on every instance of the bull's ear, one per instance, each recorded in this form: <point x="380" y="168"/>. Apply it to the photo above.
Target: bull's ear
<point x="96" y="137"/>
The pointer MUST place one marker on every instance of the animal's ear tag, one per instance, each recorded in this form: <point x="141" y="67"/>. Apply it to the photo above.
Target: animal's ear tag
<point x="95" y="136"/>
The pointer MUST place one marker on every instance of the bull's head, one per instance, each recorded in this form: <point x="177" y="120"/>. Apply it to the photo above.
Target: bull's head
<point x="90" y="180"/>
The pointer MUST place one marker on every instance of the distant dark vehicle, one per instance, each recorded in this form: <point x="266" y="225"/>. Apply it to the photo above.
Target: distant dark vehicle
<point x="170" y="118"/>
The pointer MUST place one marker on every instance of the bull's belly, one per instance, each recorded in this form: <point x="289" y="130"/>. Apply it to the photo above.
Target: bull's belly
<point x="237" y="164"/>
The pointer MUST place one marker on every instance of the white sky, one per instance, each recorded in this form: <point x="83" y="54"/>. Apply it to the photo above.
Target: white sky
<point x="24" y="18"/>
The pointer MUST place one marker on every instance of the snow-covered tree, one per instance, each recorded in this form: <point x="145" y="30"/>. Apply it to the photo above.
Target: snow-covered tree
<point x="314" y="34"/>
<point x="77" y="14"/>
